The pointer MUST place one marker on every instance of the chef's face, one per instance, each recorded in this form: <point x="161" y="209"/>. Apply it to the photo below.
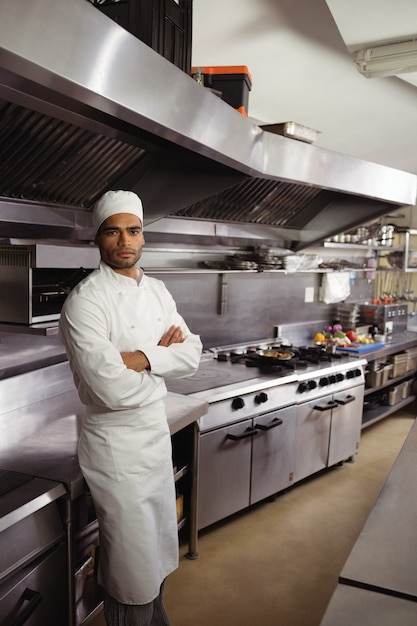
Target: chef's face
<point x="120" y="240"/>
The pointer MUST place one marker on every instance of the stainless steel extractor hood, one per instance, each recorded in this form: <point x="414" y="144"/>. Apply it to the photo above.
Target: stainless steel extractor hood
<point x="86" y="107"/>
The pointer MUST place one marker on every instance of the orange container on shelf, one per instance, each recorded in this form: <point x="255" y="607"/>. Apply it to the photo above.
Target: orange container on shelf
<point x="234" y="83"/>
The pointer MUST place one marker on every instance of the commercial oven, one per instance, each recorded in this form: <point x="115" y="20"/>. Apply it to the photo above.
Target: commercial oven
<point x="329" y="417"/>
<point x="50" y="539"/>
<point x="38" y="277"/>
<point x="33" y="563"/>
<point x="270" y="423"/>
<point x="245" y="462"/>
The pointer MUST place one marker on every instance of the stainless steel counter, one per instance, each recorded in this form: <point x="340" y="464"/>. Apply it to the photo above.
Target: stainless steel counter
<point x="27" y="499"/>
<point x="183" y="410"/>
<point x="385" y="555"/>
<point x="351" y="605"/>
<point x="40" y="438"/>
<point x="378" y="583"/>
<point x="398" y="343"/>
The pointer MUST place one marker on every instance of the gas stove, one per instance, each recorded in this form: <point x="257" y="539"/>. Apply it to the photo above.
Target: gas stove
<point x="271" y="421"/>
<point x="302" y="357"/>
<point x="227" y="371"/>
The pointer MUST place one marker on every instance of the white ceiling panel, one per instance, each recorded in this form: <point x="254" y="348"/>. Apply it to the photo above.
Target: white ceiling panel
<point x="363" y="23"/>
<point x="301" y="61"/>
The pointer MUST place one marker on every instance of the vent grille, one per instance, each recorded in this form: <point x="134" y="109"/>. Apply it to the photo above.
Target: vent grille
<point x="256" y="201"/>
<point x="46" y="160"/>
<point x="11" y="257"/>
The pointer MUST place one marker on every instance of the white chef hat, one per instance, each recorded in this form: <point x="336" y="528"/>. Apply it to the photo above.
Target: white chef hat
<point x="113" y="202"/>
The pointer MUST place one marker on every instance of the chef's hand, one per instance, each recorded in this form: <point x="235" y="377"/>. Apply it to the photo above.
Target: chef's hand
<point x="174" y="334"/>
<point x="136" y="361"/>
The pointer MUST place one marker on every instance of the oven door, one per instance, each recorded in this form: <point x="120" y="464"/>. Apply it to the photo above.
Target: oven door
<point x="328" y="430"/>
<point x="224" y="471"/>
<point x="273" y="453"/>
<point x="313" y="435"/>
<point x="346" y="425"/>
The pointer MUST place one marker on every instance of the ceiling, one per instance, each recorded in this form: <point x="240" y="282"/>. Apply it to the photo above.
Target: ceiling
<point x="300" y="56"/>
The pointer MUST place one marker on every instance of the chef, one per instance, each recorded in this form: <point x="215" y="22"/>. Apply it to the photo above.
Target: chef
<point x="123" y="336"/>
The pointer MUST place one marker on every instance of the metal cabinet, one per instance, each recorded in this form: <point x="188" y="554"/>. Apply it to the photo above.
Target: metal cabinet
<point x="244" y="463"/>
<point x="37" y="594"/>
<point x="328" y="431"/>
<point x="224" y="472"/>
<point x="273" y="453"/>
<point x="345" y="431"/>
<point x="312" y="437"/>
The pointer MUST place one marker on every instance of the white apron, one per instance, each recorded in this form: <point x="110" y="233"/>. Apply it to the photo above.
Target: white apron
<point x="125" y="444"/>
<point x="135" y="499"/>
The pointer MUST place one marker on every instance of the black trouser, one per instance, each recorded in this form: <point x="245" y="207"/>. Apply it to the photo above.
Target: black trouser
<point x="151" y="614"/>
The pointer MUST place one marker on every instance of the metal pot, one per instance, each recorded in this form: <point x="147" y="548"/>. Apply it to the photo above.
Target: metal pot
<point x="386" y="234"/>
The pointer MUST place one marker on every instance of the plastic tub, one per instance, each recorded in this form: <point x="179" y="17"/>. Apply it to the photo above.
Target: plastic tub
<point x="234" y="82"/>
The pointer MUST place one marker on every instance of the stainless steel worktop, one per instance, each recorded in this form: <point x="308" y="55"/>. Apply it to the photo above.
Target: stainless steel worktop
<point x="27" y="498"/>
<point x="43" y="435"/>
<point x="385" y="555"/>
<point x="352" y="605"/>
<point x="183" y="410"/>
<point x="378" y="583"/>
<point x="398" y="343"/>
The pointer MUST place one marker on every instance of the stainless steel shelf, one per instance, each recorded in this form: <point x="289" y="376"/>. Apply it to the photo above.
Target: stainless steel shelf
<point x="390" y="382"/>
<point x="360" y="246"/>
<point x="316" y="270"/>
<point x="46" y="328"/>
<point x="378" y="413"/>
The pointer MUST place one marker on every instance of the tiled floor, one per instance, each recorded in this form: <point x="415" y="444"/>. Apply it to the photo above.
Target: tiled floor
<point x="277" y="564"/>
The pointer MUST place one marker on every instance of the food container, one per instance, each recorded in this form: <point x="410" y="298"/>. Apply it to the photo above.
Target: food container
<point x="399" y="364"/>
<point x="234" y="82"/>
<point x="411" y="359"/>
<point x="380" y="338"/>
<point x="407" y="388"/>
<point x="378" y="377"/>
<point x="82" y="575"/>
<point x="395" y="394"/>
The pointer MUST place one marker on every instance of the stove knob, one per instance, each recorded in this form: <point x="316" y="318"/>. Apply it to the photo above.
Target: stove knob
<point x="261" y="398"/>
<point x="312" y="384"/>
<point x="332" y="379"/>
<point x="323" y="381"/>
<point x="238" y="403"/>
<point x="349" y="374"/>
<point x="302" y="387"/>
<point x="357" y="372"/>
<point x="340" y="377"/>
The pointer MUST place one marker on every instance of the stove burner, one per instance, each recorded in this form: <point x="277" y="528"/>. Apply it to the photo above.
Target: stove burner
<point x="267" y="367"/>
<point x="303" y="357"/>
<point x="203" y="374"/>
<point x="316" y="355"/>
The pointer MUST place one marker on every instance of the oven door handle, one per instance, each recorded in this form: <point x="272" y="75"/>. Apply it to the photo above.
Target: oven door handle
<point x="275" y="422"/>
<point x="249" y="432"/>
<point x="325" y="407"/>
<point x="347" y="400"/>
<point x="34" y="598"/>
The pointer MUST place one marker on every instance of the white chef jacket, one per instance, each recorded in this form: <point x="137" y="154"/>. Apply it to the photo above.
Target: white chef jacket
<point x="125" y="446"/>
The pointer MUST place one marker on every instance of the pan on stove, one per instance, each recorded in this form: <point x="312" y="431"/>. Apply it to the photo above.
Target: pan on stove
<point x="273" y="356"/>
